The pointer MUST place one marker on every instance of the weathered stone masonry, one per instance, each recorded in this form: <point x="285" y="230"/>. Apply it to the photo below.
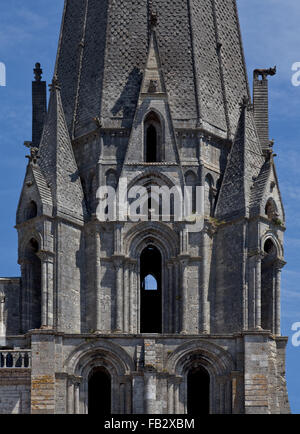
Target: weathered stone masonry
<point x="155" y="92"/>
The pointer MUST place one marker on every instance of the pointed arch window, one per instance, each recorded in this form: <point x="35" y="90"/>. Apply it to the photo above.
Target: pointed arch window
<point x="209" y="195"/>
<point x="271" y="209"/>
<point x="150" y="283"/>
<point x="153" y="139"/>
<point x="151" y="291"/>
<point x="31" y="210"/>
<point x="31" y="287"/>
<point x="268" y="285"/>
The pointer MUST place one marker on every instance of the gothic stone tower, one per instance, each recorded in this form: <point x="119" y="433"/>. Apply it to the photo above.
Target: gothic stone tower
<point x="155" y="92"/>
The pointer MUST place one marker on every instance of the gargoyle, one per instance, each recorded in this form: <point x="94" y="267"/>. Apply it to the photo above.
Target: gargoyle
<point x="264" y="72"/>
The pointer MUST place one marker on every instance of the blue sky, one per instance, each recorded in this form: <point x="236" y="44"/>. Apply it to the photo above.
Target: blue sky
<point x="29" y="33"/>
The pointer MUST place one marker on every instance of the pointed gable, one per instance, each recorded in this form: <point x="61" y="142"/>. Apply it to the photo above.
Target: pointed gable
<point x="57" y="160"/>
<point x="153" y="101"/>
<point x="34" y="189"/>
<point x="266" y="187"/>
<point x="243" y="167"/>
<point x="153" y="79"/>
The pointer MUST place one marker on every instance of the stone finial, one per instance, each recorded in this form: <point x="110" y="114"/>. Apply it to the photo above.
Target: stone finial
<point x="55" y="84"/>
<point x="33" y="157"/>
<point x="38" y="72"/>
<point x="264" y="73"/>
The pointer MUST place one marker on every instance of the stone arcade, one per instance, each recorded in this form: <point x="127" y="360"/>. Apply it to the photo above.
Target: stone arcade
<point x="155" y="92"/>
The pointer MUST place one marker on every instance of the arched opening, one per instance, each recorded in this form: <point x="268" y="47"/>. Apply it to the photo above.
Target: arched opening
<point x="99" y="392"/>
<point x="267" y="285"/>
<point x="151" y="291"/>
<point x="209" y="195"/>
<point x="198" y="391"/>
<point x="31" y="210"/>
<point x="151" y="155"/>
<point x="271" y="209"/>
<point x="153" y="151"/>
<point x="31" y="287"/>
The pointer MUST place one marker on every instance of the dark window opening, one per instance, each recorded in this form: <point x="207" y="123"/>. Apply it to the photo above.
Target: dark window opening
<point x="31" y="211"/>
<point x="198" y="388"/>
<point x="151" y="291"/>
<point x="99" y="393"/>
<point x="153" y="139"/>
<point x="271" y="210"/>
<point x="151" y="146"/>
<point x="209" y="195"/>
<point x="267" y="298"/>
<point x="269" y="247"/>
<point x="267" y="285"/>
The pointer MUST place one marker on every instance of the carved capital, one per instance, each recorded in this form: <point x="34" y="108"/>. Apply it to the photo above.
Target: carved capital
<point x="46" y="256"/>
<point x="118" y="261"/>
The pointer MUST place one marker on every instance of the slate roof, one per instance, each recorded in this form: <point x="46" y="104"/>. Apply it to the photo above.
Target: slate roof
<point x="243" y="167"/>
<point x="57" y="160"/>
<point x="103" y="50"/>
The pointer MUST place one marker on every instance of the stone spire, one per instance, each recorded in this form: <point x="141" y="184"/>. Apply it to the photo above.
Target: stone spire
<point x="244" y="164"/>
<point x="202" y="60"/>
<point x="57" y="161"/>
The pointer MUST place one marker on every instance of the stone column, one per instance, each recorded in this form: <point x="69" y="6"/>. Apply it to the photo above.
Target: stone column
<point x="258" y="292"/>
<point x="70" y="395"/>
<point x="76" y="397"/>
<point x="205" y="253"/>
<point x="279" y="264"/>
<point x="170" y="396"/>
<point x="150" y="392"/>
<point x="126" y="297"/>
<point x="184" y="294"/>
<point x="131" y="310"/>
<point x="2" y="321"/>
<point x="98" y="305"/>
<point x="138" y="393"/>
<point x="119" y="310"/>
<point x="177" y="406"/>
<point x="177" y="299"/>
<point x="171" y="299"/>
<point x="47" y="260"/>
<point x="254" y="308"/>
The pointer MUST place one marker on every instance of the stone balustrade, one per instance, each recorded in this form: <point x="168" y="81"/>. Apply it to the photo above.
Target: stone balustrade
<point x="11" y="359"/>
